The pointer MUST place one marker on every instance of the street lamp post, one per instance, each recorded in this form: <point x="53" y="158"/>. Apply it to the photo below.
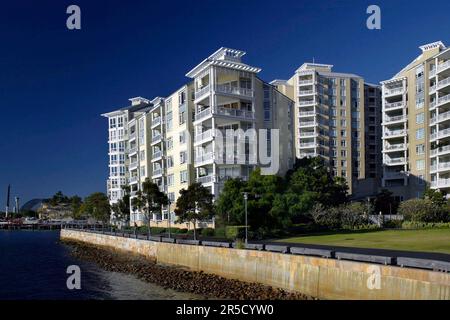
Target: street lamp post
<point x="169" y="219"/>
<point x="246" y="221"/>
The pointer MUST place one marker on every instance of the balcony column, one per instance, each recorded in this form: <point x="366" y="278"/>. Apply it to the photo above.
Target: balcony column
<point x="213" y="105"/>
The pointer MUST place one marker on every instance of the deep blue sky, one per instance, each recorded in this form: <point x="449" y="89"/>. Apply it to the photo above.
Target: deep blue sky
<point x="55" y="83"/>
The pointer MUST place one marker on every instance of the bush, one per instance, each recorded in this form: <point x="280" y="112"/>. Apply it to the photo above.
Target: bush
<point x="219" y="232"/>
<point x="235" y="232"/>
<point x="425" y="225"/>
<point x="393" y="224"/>
<point x="423" y="210"/>
<point x="348" y="216"/>
<point x="207" y="232"/>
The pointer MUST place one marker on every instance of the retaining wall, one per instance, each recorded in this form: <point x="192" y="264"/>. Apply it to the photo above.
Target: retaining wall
<point x="318" y="277"/>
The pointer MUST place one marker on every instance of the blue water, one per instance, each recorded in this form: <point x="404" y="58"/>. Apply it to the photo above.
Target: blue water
<point x="33" y="266"/>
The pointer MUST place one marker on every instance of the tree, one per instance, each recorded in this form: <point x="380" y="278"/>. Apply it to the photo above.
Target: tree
<point x="423" y="210"/>
<point x="230" y="204"/>
<point x="194" y="204"/>
<point x="150" y="200"/>
<point x="436" y="197"/>
<point x="97" y="206"/>
<point x="385" y="202"/>
<point x="311" y="182"/>
<point x="75" y="203"/>
<point x="121" y="209"/>
<point x="58" y="198"/>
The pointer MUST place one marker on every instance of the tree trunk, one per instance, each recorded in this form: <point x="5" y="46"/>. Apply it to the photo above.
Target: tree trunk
<point x="195" y="233"/>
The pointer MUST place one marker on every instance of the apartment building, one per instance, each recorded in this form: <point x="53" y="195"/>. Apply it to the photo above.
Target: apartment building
<point x="416" y="125"/>
<point x="336" y="117"/>
<point x="201" y="133"/>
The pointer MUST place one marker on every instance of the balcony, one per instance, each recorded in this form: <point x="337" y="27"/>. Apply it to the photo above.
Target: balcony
<point x="443" y="66"/>
<point x="304" y="124"/>
<point x="227" y="89"/>
<point x="443" y="83"/>
<point x="133" y="165"/>
<point x="432" y="73"/>
<point x="306" y="82"/>
<point x="308" y="145"/>
<point x="308" y="134"/>
<point x="444" y="166"/>
<point x="442" y="117"/>
<point x="132" y="136"/>
<point x="441" y="134"/>
<point x="440" y="151"/>
<point x="156" y="139"/>
<point x="133" y="150"/>
<point x="133" y="179"/>
<point x="441" y="183"/>
<point x="394" y="119"/>
<point x="307" y="154"/>
<point x="236" y="113"/>
<point x="443" y="100"/>
<point x="307" y="102"/>
<point x="156" y="122"/>
<point x="394" y="133"/>
<point x="394" y="105"/>
<point x="394" y="147"/>
<point x="204" y="158"/>
<point x="156" y="172"/>
<point x="395" y="161"/>
<point x="203" y="91"/>
<point x="306" y="92"/>
<point x="307" y="113"/>
<point x="156" y="155"/>
<point x="206" y="179"/>
<point x="204" y="136"/>
<point x="394" y="91"/>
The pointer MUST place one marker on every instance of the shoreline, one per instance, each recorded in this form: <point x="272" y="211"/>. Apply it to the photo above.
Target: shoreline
<point x="175" y="278"/>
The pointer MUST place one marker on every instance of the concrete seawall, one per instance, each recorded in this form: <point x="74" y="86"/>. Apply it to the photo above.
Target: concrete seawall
<point x="318" y="277"/>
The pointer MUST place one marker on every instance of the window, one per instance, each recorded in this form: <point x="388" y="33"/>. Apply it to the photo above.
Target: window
<point x="142" y="171"/>
<point x="120" y="122"/>
<point x="420" y="118"/>
<point x="420" y="164"/>
<point x="142" y="155"/>
<point x="113" y="147"/>
<point x="112" y="123"/>
<point x="171" y="197"/>
<point x="170" y="180"/>
<point x="343" y="143"/>
<point x="343" y="163"/>
<point x="122" y="171"/>
<point x="420" y="149"/>
<point x="183" y="137"/>
<point x="343" y="153"/>
<point x="169" y="162"/>
<point x="420" y="180"/>
<point x="420" y="133"/>
<point x="183" y="157"/>
<point x="184" y="176"/>
<point x="169" y="143"/>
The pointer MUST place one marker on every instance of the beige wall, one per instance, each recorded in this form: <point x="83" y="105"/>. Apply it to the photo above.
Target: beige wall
<point x="318" y="277"/>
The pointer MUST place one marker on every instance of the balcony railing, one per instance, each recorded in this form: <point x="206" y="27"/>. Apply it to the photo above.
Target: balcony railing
<point x="394" y="105"/>
<point x="394" y="91"/>
<point x="388" y="133"/>
<point x="443" y="99"/>
<point x="157" y="154"/>
<point x="306" y="92"/>
<point x="308" y="145"/>
<point x="307" y="133"/>
<point x="204" y="136"/>
<point x="156" y="138"/>
<point x="157" y="172"/>
<point x="133" y="150"/>
<point x="206" y="179"/>
<point x="306" y="82"/>
<point x="234" y="90"/>
<point x="203" y="114"/>
<point x="234" y="112"/>
<point x="443" y="66"/>
<point x="395" y="161"/>
<point x="203" y="157"/>
<point x="432" y="72"/>
<point x="202" y="91"/>
<point x="306" y="102"/>
<point x="395" y="118"/>
<point x="308" y="124"/>
<point x="393" y="147"/>
<point x="156" y="121"/>
<point x="394" y="175"/>
<point x="443" y="83"/>
<point x="440" y="150"/>
<point x="133" y="165"/>
<point x="307" y="154"/>
<point x="442" y="117"/>
<point x="133" y="179"/>
<point x="440" y="134"/>
<point x="441" y="183"/>
<point x="307" y="113"/>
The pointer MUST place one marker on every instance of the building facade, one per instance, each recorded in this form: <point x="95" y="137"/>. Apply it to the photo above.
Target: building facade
<point x="337" y="117"/>
<point x="416" y="125"/>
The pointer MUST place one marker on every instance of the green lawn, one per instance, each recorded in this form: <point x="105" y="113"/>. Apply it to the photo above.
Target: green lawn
<point x="428" y="240"/>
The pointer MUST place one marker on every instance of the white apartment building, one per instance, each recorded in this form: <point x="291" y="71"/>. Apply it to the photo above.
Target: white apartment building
<point x="416" y="124"/>
<point x="185" y="137"/>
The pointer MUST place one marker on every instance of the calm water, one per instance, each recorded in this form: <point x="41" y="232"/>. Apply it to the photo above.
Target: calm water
<point x="33" y="266"/>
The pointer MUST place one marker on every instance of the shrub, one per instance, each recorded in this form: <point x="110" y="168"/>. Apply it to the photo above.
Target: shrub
<point x="207" y="232"/>
<point x="353" y="216"/>
<point x="423" y="210"/>
<point x="425" y="225"/>
<point x="326" y="217"/>
<point x="348" y="216"/>
<point x="234" y="232"/>
<point x="394" y="224"/>
<point x="240" y="244"/>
